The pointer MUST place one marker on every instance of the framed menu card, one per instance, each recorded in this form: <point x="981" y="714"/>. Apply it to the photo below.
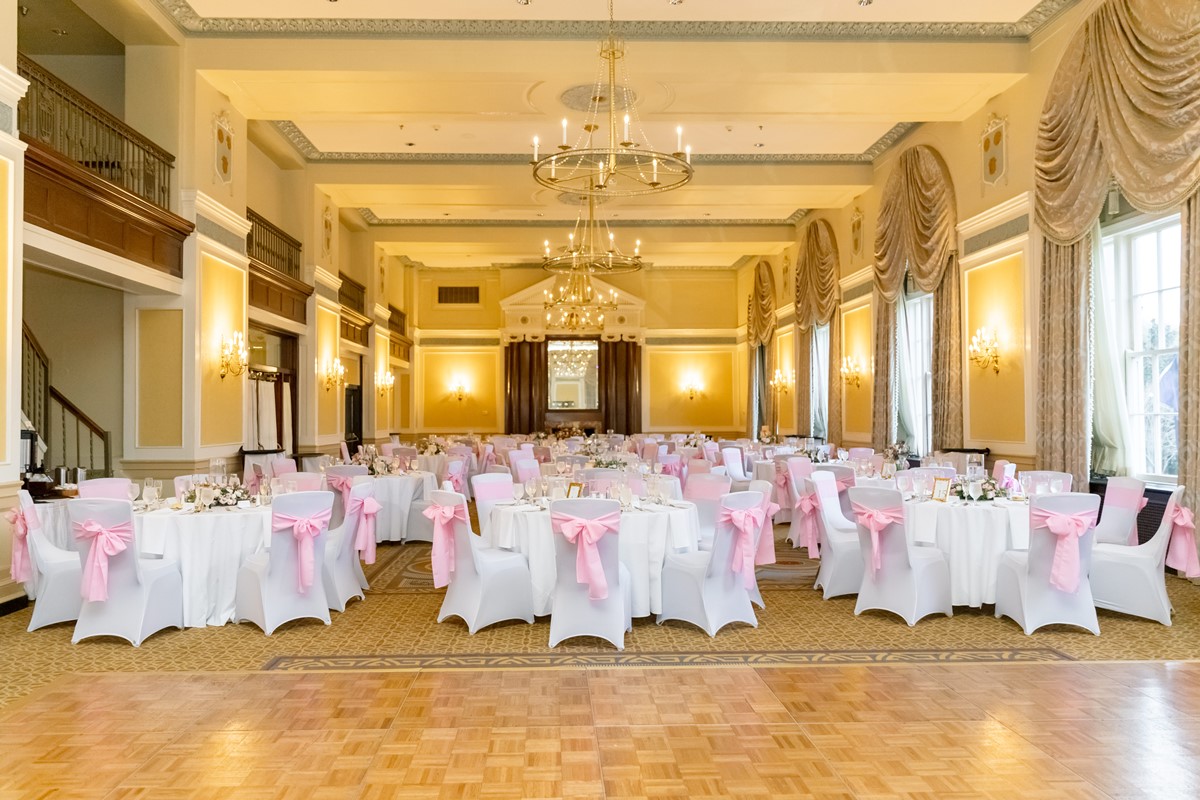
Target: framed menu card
<point x="574" y="490"/>
<point x="941" y="489"/>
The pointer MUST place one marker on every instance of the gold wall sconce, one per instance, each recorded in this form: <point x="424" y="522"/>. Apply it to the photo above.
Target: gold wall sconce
<point x="458" y="390"/>
<point x="984" y="350"/>
<point x="693" y="387"/>
<point x="852" y="372"/>
<point x="332" y="374"/>
<point x="384" y="381"/>
<point x="783" y="381"/>
<point x="234" y="355"/>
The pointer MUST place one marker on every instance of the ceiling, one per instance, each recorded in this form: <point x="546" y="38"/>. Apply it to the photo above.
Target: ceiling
<point x="419" y="117"/>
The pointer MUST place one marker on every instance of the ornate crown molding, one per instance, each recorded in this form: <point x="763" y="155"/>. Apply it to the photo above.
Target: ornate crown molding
<point x="304" y="146"/>
<point x="190" y="22"/>
<point x="372" y="219"/>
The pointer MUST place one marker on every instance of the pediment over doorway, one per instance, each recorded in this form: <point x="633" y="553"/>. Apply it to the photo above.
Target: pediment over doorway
<point x="525" y="315"/>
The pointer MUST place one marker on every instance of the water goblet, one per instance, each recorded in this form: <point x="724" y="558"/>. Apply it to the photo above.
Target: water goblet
<point x="975" y="490"/>
<point x="134" y="489"/>
<point x="904" y="484"/>
<point x="657" y="468"/>
<point x="518" y="491"/>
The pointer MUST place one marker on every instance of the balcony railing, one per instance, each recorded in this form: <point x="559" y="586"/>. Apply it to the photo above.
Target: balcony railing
<point x="63" y="119"/>
<point x="352" y="294"/>
<point x="269" y="245"/>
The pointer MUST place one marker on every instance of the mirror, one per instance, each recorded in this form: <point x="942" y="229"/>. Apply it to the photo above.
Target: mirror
<point x="574" y="368"/>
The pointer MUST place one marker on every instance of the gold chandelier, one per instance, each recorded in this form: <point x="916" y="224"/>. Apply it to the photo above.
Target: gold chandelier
<point x="575" y="305"/>
<point x="591" y="247"/>
<point x="612" y="157"/>
<point x="571" y="359"/>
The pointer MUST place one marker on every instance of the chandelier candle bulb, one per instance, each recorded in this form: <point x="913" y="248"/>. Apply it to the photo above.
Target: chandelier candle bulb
<point x="679" y="139"/>
<point x="625" y="139"/>
<point x="564" y="126"/>
<point x="687" y="154"/>
<point x="535" y="149"/>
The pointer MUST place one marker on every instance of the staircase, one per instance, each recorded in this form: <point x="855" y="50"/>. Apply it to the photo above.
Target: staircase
<point x="72" y="438"/>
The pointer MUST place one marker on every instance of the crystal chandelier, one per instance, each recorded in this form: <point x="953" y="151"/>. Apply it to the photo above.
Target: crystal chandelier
<point x="571" y="359"/>
<point x="575" y="305"/>
<point x="612" y="157"/>
<point x="591" y="247"/>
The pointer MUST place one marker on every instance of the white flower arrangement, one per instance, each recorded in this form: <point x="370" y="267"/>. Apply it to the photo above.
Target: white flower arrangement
<point x="227" y="495"/>
<point x="428" y="447"/>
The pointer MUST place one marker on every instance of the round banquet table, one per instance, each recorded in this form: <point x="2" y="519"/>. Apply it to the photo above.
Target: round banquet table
<point x="435" y="464"/>
<point x="395" y="494"/>
<point x="644" y="538"/>
<point x="973" y="536"/>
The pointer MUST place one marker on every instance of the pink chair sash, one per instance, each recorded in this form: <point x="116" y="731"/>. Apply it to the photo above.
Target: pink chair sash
<point x="875" y="520"/>
<point x="1127" y="498"/>
<point x="808" y="505"/>
<point x="22" y="522"/>
<point x="845" y="483"/>
<point x="1181" y="551"/>
<point x="673" y="467"/>
<point x="106" y="542"/>
<point x="584" y="534"/>
<point x="251" y="478"/>
<point x="706" y="490"/>
<point x="343" y="484"/>
<point x="488" y="459"/>
<point x="443" y="551"/>
<point x="1064" y="570"/>
<point x="364" y="541"/>
<point x="304" y="530"/>
<point x="765" y="554"/>
<point x="745" y="522"/>
<point x="456" y="479"/>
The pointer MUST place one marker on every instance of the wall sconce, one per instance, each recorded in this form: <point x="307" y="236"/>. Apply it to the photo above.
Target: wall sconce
<point x="984" y="350"/>
<point x="692" y="386"/>
<point x="783" y="381"/>
<point x="234" y="355"/>
<point x="458" y="390"/>
<point x="332" y="373"/>
<point x="852" y="372"/>
<point x="384" y="381"/>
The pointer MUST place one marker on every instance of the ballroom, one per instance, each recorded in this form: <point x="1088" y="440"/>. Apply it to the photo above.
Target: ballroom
<point x="599" y="398"/>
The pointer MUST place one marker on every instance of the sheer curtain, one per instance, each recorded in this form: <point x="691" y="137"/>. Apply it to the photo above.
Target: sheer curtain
<point x="820" y="382"/>
<point x="1110" y="424"/>
<point x="910" y="377"/>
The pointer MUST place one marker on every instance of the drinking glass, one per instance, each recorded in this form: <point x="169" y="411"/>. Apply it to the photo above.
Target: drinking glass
<point x="531" y="488"/>
<point x="975" y="490"/>
<point x="657" y="468"/>
<point x="904" y="483"/>
<point x="518" y="491"/>
<point x="289" y="486"/>
<point x="1056" y="485"/>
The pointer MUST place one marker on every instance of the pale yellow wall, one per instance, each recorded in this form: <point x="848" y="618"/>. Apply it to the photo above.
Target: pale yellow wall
<point x="9" y="373"/>
<point x="325" y="243"/>
<point x="328" y="422"/>
<point x="395" y="282"/>
<point x="209" y="104"/>
<point x="273" y="192"/>
<point x="100" y="79"/>
<point x="689" y="299"/>
<point x="462" y="317"/>
<point x="665" y="372"/>
<point x="480" y="370"/>
<point x="8" y="35"/>
<point x="785" y="362"/>
<point x="159" y="377"/>
<point x="383" y="403"/>
<point x="81" y="327"/>
<point x="857" y="338"/>
<point x="153" y="99"/>
<point x="402" y="408"/>
<point x="995" y="298"/>
<point x="222" y="312"/>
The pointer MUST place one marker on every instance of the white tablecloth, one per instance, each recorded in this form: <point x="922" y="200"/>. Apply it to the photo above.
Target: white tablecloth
<point x="396" y="494"/>
<point x="435" y="464"/>
<point x="973" y="536"/>
<point x="644" y="539"/>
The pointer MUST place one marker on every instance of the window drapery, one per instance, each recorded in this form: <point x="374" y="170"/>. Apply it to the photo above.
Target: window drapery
<point x="760" y="332"/>
<point x="1123" y="106"/>
<point x="916" y="236"/>
<point x="621" y="386"/>
<point x="817" y="303"/>
<point x="526" y="387"/>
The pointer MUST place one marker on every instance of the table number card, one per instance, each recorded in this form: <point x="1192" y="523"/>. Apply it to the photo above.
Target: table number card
<point x="941" y="489"/>
<point x="574" y="490"/>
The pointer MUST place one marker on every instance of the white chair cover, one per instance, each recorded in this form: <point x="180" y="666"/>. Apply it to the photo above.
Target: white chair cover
<point x="1130" y="578"/>
<point x="574" y="613"/>
<point x="841" y="567"/>
<point x="342" y="571"/>
<point x="58" y="573"/>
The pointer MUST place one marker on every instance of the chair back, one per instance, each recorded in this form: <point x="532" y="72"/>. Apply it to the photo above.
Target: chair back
<point x="843" y="476"/>
<point x="306" y="481"/>
<point x="339" y="479"/>
<point x="565" y="552"/>
<point x="283" y="562"/>
<point x="1044" y="478"/>
<point x="1123" y="499"/>
<point x="466" y="564"/>
<point x="124" y="571"/>
<point x="1043" y="543"/>
<point x="798" y="468"/>
<point x="720" y="566"/>
<point x="1003" y="472"/>
<point x="345" y="452"/>
<point x="490" y="489"/>
<point x="894" y="557"/>
<point x="698" y="466"/>
<point x="109" y="488"/>
<point x="543" y="454"/>
<point x="387" y="449"/>
<point x="1159" y="542"/>
<point x="282" y="466"/>
<point x="352" y="517"/>
<point x="524" y="469"/>
<point x="765" y="488"/>
<point x="877" y="464"/>
<point x="860" y="452"/>
<point x="824" y="483"/>
<point x="649" y="451"/>
<point x="702" y="486"/>
<point x="734" y="462"/>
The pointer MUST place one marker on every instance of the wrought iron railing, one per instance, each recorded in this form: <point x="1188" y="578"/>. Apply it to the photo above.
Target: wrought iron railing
<point x="269" y="245"/>
<point x="63" y="119"/>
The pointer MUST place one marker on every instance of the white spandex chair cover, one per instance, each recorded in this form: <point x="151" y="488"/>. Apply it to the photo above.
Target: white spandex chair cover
<point x="1123" y="499"/>
<point x="702" y="587"/>
<point x="339" y="478"/>
<point x="487" y="585"/>
<point x="841" y="569"/>
<point x="1023" y="581"/>
<point x="735" y="468"/>
<point x="490" y="489"/>
<point x="110" y="488"/>
<point x="574" y="612"/>
<point x="706" y="491"/>
<point x="799" y="468"/>
<point x="341" y="570"/>
<point x="764" y="544"/>
<point x="911" y="582"/>
<point x="1130" y="578"/>
<point x="268" y="591"/>
<point x="57" y="592"/>
<point x="144" y="595"/>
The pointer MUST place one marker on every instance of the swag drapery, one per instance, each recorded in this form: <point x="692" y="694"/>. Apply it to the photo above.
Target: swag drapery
<point x="526" y="386"/>
<point x="818" y="303"/>
<point x="621" y="386"/>
<point x="760" y="332"/>
<point x="916" y="235"/>
<point x="1123" y="107"/>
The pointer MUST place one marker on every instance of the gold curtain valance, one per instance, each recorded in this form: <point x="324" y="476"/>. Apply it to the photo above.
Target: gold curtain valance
<point x="1124" y="105"/>
<point x="817" y="269"/>
<point x="917" y="221"/>
<point x="760" y="323"/>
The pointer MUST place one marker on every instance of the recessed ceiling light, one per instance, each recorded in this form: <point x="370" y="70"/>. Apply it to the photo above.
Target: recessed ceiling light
<point x="523" y="2"/>
<point x="760" y="144"/>
<point x="58" y="31"/>
<point x="410" y="144"/>
<point x="865" y="3"/>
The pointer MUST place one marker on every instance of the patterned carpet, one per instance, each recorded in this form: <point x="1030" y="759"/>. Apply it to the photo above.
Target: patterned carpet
<point x="396" y="628"/>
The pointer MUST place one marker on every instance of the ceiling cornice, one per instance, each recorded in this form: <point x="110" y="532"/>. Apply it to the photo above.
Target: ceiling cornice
<point x="304" y="146"/>
<point x="190" y="22"/>
<point x="373" y="220"/>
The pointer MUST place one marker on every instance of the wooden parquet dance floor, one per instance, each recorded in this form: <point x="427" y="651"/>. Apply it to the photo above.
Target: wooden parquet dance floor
<point x="1052" y="730"/>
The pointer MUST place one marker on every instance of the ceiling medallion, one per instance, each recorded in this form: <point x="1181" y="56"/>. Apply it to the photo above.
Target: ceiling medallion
<point x="613" y="156"/>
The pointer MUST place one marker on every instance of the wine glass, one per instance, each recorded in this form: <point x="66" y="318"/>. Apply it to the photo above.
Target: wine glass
<point x="975" y="490"/>
<point x="133" y="490"/>
<point x="904" y="484"/>
<point x="531" y="487"/>
<point x="657" y="468"/>
<point x="518" y="491"/>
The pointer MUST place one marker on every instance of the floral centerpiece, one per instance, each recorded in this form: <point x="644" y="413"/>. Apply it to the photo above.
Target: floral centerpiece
<point x="570" y="431"/>
<point x="226" y="495"/>
<point x="989" y="489"/>
<point x="609" y="462"/>
<point x="428" y="447"/>
<point x="817" y="456"/>
<point x="697" y="439"/>
<point x="376" y="465"/>
<point x="896" y="451"/>
<point x="543" y="437"/>
<point x="593" y="446"/>
<point x="765" y="436"/>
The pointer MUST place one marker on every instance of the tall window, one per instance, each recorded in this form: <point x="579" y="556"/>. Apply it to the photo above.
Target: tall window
<point x="915" y="371"/>
<point x="818" y="382"/>
<point x="1143" y="263"/>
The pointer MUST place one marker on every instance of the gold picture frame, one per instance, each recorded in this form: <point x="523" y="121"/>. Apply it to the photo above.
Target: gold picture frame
<point x="574" y="490"/>
<point x="941" y="489"/>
